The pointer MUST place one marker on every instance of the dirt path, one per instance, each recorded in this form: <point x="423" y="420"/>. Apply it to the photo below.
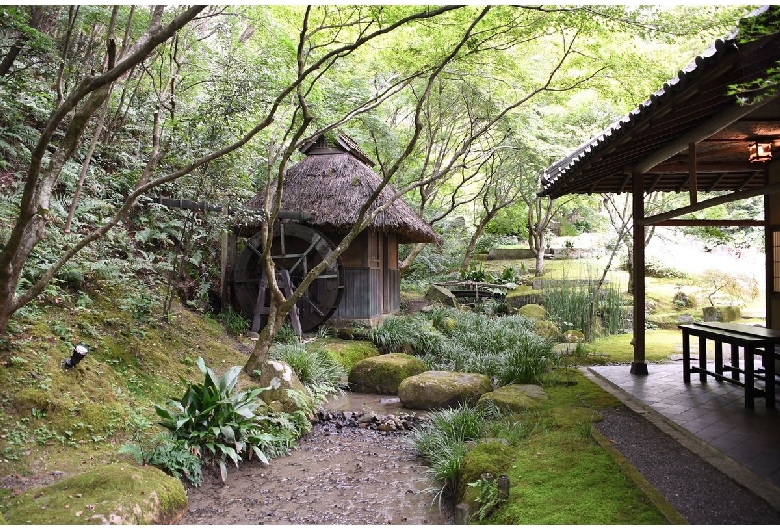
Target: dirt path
<point x="334" y="476"/>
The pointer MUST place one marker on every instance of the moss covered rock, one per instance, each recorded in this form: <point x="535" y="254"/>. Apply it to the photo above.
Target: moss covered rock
<point x="281" y="379"/>
<point x="546" y="329"/>
<point x="532" y="311"/>
<point x="440" y="389"/>
<point x="115" y="494"/>
<point x="383" y="374"/>
<point x="490" y="457"/>
<point x="523" y="295"/>
<point x="573" y="336"/>
<point x="442" y="295"/>
<point x="515" y="398"/>
<point x="349" y="352"/>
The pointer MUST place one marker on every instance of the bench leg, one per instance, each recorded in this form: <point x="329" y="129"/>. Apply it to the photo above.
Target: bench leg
<point x="769" y="366"/>
<point x="735" y="362"/>
<point x="749" y="376"/>
<point x="718" y="360"/>
<point x="702" y="359"/>
<point x="686" y="356"/>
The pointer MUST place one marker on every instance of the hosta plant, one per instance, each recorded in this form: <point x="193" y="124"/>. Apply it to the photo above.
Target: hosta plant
<point x="221" y="424"/>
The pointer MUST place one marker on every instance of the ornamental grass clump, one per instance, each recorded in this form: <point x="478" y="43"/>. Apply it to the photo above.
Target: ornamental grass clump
<point x="315" y="368"/>
<point x="220" y="424"/>
<point x="506" y="348"/>
<point x="568" y="304"/>
<point x="441" y="441"/>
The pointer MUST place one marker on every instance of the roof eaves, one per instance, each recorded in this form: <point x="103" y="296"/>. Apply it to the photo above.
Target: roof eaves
<point x="624" y="125"/>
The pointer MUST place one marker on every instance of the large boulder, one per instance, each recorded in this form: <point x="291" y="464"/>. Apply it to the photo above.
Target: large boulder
<point x="442" y="295"/>
<point x="383" y="374"/>
<point x="514" y="398"/>
<point x="281" y="379"/>
<point x="439" y="389"/>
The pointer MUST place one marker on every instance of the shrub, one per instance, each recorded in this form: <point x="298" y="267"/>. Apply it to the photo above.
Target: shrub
<point x="683" y="300"/>
<point x="656" y="269"/>
<point x="214" y="420"/>
<point x="286" y="335"/>
<point x="234" y="322"/>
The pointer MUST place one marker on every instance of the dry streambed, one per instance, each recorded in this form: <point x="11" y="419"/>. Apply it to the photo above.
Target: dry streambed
<point x="338" y="474"/>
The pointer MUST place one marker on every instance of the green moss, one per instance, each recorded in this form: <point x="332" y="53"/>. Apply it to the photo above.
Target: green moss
<point x="522" y="296"/>
<point x="533" y="311"/>
<point x="515" y="398"/>
<point x="490" y="457"/>
<point x="546" y="329"/>
<point x="348" y="352"/>
<point x="384" y="373"/>
<point x="659" y="345"/>
<point x="108" y="398"/>
<point x="117" y="493"/>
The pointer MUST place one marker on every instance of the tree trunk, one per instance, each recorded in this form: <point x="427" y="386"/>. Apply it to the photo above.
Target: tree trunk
<point x="416" y="249"/>
<point x="259" y="355"/>
<point x="36" y="13"/>
<point x="630" y="268"/>
<point x="473" y="241"/>
<point x="539" y="264"/>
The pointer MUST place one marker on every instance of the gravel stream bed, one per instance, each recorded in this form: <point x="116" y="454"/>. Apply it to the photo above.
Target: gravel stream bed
<point x="343" y="474"/>
<point x="346" y="475"/>
<point x="700" y="492"/>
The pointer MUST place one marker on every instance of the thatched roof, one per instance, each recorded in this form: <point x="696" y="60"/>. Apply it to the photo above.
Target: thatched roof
<point x="333" y="183"/>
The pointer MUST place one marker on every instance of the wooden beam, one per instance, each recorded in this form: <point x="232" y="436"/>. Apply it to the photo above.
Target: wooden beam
<point x="718" y="122"/>
<point x="716" y="182"/>
<point x="711" y="222"/>
<point x="623" y="184"/>
<point x="715" y="201"/>
<point x="655" y="182"/>
<point x="707" y="167"/>
<point x="639" y="365"/>
<point x="693" y="187"/>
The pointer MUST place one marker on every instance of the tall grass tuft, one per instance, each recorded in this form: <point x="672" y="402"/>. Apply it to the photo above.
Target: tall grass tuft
<point x="315" y="368"/>
<point x="441" y="441"/>
<point x="568" y="304"/>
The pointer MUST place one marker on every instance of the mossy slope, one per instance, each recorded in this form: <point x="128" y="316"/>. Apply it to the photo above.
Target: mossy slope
<point x="113" y="494"/>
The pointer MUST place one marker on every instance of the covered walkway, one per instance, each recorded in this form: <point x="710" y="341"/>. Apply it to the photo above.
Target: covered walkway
<point x="710" y="419"/>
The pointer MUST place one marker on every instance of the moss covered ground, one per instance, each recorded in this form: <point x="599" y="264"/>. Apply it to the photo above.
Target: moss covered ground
<point x="54" y="420"/>
<point x="120" y="493"/>
<point x="558" y="473"/>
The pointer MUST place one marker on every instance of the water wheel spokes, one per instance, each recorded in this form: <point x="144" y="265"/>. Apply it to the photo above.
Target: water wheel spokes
<point x="295" y="250"/>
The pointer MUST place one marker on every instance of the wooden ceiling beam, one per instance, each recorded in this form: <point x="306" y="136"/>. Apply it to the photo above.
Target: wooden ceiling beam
<point x="707" y="167"/>
<point x="715" y="201"/>
<point x="711" y="222"/>
<point x="715" y="182"/>
<point x="708" y="128"/>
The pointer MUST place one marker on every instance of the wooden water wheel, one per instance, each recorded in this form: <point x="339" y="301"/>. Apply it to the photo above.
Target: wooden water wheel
<point x="295" y="250"/>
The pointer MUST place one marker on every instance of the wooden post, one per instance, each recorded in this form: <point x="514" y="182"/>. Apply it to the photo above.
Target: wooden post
<point x="693" y="185"/>
<point x="228" y="260"/>
<point x="639" y="366"/>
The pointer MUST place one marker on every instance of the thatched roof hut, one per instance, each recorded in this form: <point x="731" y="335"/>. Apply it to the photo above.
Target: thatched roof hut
<point x="334" y="181"/>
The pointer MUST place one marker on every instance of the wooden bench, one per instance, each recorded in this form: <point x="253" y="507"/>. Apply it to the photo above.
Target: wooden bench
<point x="754" y="346"/>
